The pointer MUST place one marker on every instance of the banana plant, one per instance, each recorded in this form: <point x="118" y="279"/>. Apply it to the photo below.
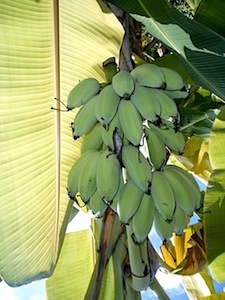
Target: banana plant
<point x="47" y="47"/>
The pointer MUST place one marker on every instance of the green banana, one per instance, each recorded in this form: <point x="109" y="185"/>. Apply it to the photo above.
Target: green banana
<point x="182" y="191"/>
<point x="73" y="176"/>
<point x="109" y="136"/>
<point x="87" y="177"/>
<point x="108" y="176"/>
<point x="191" y="182"/>
<point x="106" y="105"/>
<point x="137" y="166"/>
<point x="139" y="262"/>
<point x="82" y="92"/>
<point x="158" y="153"/>
<point x="97" y="205"/>
<point x="131" y="122"/>
<point x="174" y="140"/>
<point x="129" y="201"/>
<point x="162" y="195"/>
<point x="180" y="220"/>
<point x="85" y="119"/>
<point x="146" y="103"/>
<point x="115" y="200"/>
<point x="174" y="81"/>
<point x="163" y="228"/>
<point x="148" y="75"/>
<point x="176" y="94"/>
<point x="123" y="84"/>
<point x="93" y="139"/>
<point x="143" y="219"/>
<point x="169" y="110"/>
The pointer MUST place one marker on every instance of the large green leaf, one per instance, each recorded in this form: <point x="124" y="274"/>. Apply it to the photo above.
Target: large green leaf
<point x="214" y="204"/>
<point x="46" y="47"/>
<point x="200" y="49"/>
<point x="211" y="14"/>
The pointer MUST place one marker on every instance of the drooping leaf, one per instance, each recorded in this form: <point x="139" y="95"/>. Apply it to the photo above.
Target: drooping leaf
<point x="200" y="49"/>
<point x="214" y="203"/>
<point x="46" y="48"/>
<point x="74" y="268"/>
<point x="185" y="255"/>
<point x="196" y="158"/>
<point x="211" y="14"/>
<point x="195" y="286"/>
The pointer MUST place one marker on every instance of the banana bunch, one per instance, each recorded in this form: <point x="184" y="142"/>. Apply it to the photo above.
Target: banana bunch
<point x="129" y="127"/>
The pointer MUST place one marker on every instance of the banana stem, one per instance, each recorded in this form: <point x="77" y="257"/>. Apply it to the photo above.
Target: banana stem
<point x="156" y="287"/>
<point x="111" y="231"/>
<point x="205" y="116"/>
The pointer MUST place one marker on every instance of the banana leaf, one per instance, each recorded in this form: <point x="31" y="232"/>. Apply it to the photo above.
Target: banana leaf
<point x="211" y="14"/>
<point x="200" y="49"/>
<point x="46" y="47"/>
<point x="218" y="296"/>
<point x="74" y="268"/>
<point x="214" y="202"/>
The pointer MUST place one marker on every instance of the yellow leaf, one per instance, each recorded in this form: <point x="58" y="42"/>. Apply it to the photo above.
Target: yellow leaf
<point x="46" y="47"/>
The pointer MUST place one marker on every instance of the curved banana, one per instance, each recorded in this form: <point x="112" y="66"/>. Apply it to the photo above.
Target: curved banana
<point x="174" y="140"/>
<point x="115" y="200"/>
<point x="180" y="220"/>
<point x="137" y="166"/>
<point x="93" y="139"/>
<point x="97" y="205"/>
<point x="139" y="262"/>
<point x="109" y="136"/>
<point x="174" y="81"/>
<point x="85" y="119"/>
<point x="131" y="122"/>
<point x="82" y="92"/>
<point x="108" y="176"/>
<point x="162" y="195"/>
<point x="163" y="228"/>
<point x="176" y="94"/>
<point x="169" y="110"/>
<point x="123" y="84"/>
<point x="184" y="196"/>
<point x="129" y="201"/>
<point x="191" y="182"/>
<point x="106" y="105"/>
<point x="148" y="75"/>
<point x="158" y="153"/>
<point x="73" y="176"/>
<point x="143" y="218"/>
<point x="146" y="103"/>
<point x="87" y="177"/>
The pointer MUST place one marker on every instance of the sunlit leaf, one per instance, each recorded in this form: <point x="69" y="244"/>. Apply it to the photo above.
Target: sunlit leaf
<point x="214" y="203"/>
<point x="195" y="286"/>
<point x="218" y="296"/>
<point x="74" y="268"/>
<point x="45" y="50"/>
<point x="185" y="255"/>
<point x="196" y="158"/>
